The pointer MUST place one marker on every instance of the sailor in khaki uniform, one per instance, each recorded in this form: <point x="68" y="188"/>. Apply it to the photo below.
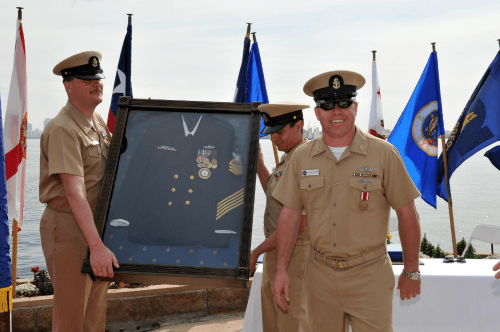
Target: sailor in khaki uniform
<point x="73" y="151"/>
<point x="347" y="181"/>
<point x="284" y="122"/>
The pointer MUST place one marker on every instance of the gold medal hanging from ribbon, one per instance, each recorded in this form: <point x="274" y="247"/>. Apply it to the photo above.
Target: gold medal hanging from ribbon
<point x="363" y="206"/>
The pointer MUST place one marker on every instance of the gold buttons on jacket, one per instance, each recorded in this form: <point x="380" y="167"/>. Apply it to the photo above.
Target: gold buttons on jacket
<point x="192" y="177"/>
<point x="190" y="191"/>
<point x="188" y="202"/>
<point x="169" y="203"/>
<point x="173" y="190"/>
<point x="176" y="176"/>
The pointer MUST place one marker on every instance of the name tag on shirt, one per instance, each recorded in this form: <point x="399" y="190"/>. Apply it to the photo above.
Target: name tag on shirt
<point x="310" y="172"/>
<point x="94" y="143"/>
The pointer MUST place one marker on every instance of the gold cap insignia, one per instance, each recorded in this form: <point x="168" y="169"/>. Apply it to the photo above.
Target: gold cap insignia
<point x="336" y="83"/>
<point x="94" y="62"/>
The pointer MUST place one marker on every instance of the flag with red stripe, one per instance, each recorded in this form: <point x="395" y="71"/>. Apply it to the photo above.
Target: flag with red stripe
<point x="123" y="82"/>
<point x="15" y="134"/>
<point x="376" y="125"/>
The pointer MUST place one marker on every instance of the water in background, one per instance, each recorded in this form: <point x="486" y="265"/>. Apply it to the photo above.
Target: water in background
<point x="473" y="188"/>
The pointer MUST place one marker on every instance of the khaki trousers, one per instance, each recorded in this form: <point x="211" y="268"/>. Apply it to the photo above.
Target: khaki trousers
<point x="361" y="296"/>
<point x="273" y="318"/>
<point x="79" y="304"/>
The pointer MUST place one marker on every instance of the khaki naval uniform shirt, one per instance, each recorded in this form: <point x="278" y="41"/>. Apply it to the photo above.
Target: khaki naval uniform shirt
<point x="71" y="145"/>
<point x="273" y="318"/>
<point x="273" y="206"/>
<point x="330" y="193"/>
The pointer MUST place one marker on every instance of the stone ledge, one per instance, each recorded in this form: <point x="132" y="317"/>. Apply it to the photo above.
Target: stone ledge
<point x="140" y="306"/>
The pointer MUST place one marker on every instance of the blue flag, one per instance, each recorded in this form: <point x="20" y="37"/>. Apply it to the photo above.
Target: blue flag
<point x="239" y="94"/>
<point x="416" y="133"/>
<point x="494" y="156"/>
<point x="123" y="81"/>
<point x="255" y="87"/>
<point x="5" y="263"/>
<point x="477" y="127"/>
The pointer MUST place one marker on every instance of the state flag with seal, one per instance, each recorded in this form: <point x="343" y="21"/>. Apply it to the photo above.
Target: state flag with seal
<point x="416" y="132"/>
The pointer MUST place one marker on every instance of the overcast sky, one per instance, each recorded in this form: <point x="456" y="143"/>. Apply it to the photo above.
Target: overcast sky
<point x="191" y="50"/>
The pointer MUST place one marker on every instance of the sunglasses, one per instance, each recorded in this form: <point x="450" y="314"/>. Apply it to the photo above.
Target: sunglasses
<point x="343" y="103"/>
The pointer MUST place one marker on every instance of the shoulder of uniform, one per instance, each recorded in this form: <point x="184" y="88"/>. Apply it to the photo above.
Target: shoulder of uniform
<point x="378" y="143"/>
<point x="62" y="122"/>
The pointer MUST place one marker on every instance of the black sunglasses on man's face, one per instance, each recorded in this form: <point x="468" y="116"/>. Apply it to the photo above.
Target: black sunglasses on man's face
<point x="343" y="103"/>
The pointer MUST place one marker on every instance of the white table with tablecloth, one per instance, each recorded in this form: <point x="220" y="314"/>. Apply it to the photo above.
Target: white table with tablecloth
<point x="454" y="297"/>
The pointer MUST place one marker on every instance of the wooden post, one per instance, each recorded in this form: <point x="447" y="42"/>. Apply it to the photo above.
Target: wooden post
<point x="15" y="226"/>
<point x="276" y="158"/>
<point x="450" y="208"/>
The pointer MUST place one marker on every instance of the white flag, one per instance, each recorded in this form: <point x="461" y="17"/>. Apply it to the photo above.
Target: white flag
<point x="376" y="126"/>
<point x="15" y="130"/>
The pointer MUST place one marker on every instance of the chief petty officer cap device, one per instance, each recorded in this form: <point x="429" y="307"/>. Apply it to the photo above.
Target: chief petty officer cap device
<point x="84" y="66"/>
<point x="335" y="86"/>
<point x="277" y="116"/>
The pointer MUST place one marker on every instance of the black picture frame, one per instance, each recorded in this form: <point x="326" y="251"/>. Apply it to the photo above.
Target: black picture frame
<point x="246" y="118"/>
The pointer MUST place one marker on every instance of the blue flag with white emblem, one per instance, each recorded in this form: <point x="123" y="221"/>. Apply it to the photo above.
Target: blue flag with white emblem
<point x="477" y="127"/>
<point x="123" y="81"/>
<point x="255" y="87"/>
<point x="5" y="262"/>
<point x="416" y="133"/>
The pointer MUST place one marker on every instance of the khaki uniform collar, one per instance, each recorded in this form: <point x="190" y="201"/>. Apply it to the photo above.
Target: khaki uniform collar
<point x="287" y="157"/>
<point x="359" y="144"/>
<point x="79" y="118"/>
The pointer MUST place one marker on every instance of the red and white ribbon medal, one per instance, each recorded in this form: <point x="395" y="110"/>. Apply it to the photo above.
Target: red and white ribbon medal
<point x="364" y="201"/>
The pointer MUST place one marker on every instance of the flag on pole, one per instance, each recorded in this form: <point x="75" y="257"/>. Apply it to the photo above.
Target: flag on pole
<point x="239" y="93"/>
<point x="494" y="156"/>
<point x="16" y="123"/>
<point x="477" y="127"/>
<point x="416" y="132"/>
<point x="5" y="262"/>
<point x="376" y="125"/>
<point x="123" y="82"/>
<point x="255" y="87"/>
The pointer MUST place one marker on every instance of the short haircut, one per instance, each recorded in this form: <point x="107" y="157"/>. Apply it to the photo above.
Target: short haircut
<point x="292" y="124"/>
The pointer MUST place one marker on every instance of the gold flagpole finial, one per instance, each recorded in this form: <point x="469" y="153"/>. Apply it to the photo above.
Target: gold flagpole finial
<point x="433" y="47"/>
<point x="130" y="18"/>
<point x="20" y="13"/>
<point x="374" y="54"/>
<point x="254" y="38"/>
<point x="248" y="29"/>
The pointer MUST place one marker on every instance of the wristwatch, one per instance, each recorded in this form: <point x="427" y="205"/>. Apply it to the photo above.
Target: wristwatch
<point x="412" y="275"/>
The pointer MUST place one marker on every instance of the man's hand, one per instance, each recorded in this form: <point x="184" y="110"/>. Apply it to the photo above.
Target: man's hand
<point x="253" y="261"/>
<point x="281" y="284"/>
<point x="407" y="287"/>
<point x="102" y="261"/>
<point x="496" y="268"/>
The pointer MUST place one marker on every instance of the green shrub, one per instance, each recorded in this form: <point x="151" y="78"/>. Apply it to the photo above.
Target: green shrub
<point x="438" y="253"/>
<point x="42" y="282"/>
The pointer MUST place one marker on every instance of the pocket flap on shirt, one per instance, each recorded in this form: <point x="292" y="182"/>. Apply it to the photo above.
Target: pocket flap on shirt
<point x="94" y="151"/>
<point x="374" y="185"/>
<point x="313" y="182"/>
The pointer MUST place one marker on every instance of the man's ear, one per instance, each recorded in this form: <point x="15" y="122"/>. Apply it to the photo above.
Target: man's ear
<point x="68" y="86"/>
